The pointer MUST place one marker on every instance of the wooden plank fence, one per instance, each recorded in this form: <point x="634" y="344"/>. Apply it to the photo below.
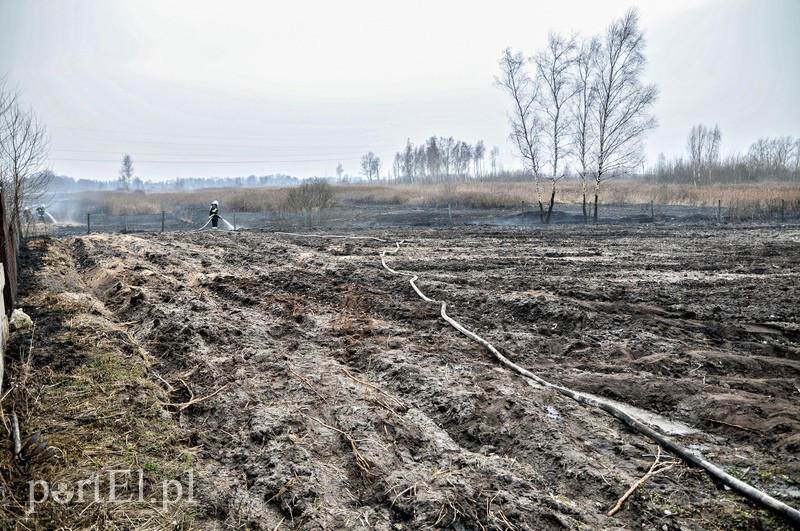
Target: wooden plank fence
<point x="8" y="280"/>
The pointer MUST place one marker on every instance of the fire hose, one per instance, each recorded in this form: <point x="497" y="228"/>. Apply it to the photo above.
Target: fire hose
<point x="716" y="473"/>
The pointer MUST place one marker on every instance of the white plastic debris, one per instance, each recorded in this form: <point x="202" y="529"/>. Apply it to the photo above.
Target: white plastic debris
<point x="20" y="320"/>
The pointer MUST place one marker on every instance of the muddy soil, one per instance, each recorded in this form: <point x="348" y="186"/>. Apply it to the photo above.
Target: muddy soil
<point x="335" y="398"/>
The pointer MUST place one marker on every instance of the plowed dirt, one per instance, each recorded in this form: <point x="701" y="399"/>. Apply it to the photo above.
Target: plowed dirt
<point x="335" y="398"/>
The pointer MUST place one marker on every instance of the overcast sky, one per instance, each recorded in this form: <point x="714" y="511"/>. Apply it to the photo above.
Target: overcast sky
<point x="196" y="88"/>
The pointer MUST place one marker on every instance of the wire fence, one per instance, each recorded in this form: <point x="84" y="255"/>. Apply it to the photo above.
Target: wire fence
<point x="387" y="216"/>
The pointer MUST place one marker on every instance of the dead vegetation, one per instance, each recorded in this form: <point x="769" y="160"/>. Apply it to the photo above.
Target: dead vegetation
<point x="80" y="384"/>
<point x="760" y="199"/>
<point x="305" y="387"/>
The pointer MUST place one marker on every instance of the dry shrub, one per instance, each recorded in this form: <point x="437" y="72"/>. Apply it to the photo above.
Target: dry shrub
<point x="313" y="195"/>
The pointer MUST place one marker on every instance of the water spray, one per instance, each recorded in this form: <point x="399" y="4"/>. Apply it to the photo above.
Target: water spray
<point x="225" y="221"/>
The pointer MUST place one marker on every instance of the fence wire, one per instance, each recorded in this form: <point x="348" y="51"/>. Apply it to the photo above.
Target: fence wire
<point x="386" y="216"/>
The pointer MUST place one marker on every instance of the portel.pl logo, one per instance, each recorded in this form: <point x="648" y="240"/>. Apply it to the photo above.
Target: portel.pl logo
<point x="113" y="486"/>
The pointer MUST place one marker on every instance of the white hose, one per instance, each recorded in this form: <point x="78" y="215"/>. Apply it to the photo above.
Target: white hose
<point x="712" y="470"/>
<point x="334" y="236"/>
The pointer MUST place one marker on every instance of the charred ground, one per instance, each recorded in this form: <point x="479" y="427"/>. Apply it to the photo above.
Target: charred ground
<point x="312" y="388"/>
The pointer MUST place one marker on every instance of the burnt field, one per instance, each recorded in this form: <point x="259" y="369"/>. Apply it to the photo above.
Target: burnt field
<point x="314" y="389"/>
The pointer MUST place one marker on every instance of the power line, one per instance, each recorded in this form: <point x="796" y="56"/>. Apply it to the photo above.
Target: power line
<point x="278" y="140"/>
<point x="139" y="161"/>
<point x="169" y="135"/>
<point x="137" y="153"/>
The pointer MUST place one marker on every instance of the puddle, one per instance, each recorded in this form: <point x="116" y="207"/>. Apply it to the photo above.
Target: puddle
<point x="552" y="412"/>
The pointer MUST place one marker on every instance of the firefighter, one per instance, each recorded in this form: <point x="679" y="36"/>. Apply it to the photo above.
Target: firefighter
<point x="213" y="214"/>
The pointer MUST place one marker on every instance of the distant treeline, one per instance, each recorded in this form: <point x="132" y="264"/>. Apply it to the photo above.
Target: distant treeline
<point x="61" y="183"/>
<point x="768" y="159"/>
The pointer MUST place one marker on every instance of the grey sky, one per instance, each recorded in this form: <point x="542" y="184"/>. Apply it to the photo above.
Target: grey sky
<point x="198" y="88"/>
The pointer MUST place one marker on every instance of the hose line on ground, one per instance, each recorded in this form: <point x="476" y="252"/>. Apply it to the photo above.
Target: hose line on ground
<point x="334" y="236"/>
<point x="712" y="470"/>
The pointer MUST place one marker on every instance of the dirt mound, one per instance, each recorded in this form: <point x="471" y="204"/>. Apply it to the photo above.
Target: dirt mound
<point x="321" y="392"/>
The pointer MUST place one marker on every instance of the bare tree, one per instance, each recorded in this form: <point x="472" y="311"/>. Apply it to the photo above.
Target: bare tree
<point x="375" y="167"/>
<point x="408" y="162"/>
<point x="526" y="124"/>
<point x="397" y="166"/>
<point x="420" y="164"/>
<point x="703" y="147"/>
<point x="782" y="151"/>
<point x="370" y="166"/>
<point x="771" y="157"/>
<point x="583" y="108"/>
<point x="447" y="147"/>
<point x="24" y="149"/>
<point x="478" y="154"/>
<point x="553" y="69"/>
<point x="339" y="171"/>
<point x="795" y="167"/>
<point x="493" y="155"/>
<point x="463" y="157"/>
<point x="366" y="165"/>
<point x="623" y="113"/>
<point x="766" y="159"/>
<point x="433" y="159"/>
<point x="126" y="172"/>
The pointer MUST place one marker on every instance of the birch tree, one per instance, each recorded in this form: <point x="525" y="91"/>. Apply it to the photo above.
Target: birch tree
<point x="703" y="146"/>
<point x="553" y="69"/>
<point x="582" y="110"/>
<point x="408" y="162"/>
<point x="370" y="166"/>
<point x="126" y="171"/>
<point x="478" y="154"/>
<point x="624" y="111"/>
<point x="494" y="154"/>
<point x="526" y="124"/>
<point x="433" y="159"/>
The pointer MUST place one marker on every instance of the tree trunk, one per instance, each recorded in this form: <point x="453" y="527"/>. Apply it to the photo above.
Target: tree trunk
<point x="585" y="214"/>
<point x="550" y="206"/>
<point x="595" y="207"/>
<point x="541" y="211"/>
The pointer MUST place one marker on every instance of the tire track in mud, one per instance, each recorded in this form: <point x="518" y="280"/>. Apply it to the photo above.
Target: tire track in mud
<point x="192" y="347"/>
<point x="276" y="319"/>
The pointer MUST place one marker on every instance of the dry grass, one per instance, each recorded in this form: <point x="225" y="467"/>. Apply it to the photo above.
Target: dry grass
<point x="638" y="192"/>
<point x="118" y="203"/>
<point x="760" y="197"/>
<point x="85" y="385"/>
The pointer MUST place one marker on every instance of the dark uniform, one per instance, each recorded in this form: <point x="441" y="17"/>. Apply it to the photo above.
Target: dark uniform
<point x="213" y="214"/>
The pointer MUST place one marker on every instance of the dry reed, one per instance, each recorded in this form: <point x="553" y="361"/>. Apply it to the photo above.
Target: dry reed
<point x="479" y="195"/>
